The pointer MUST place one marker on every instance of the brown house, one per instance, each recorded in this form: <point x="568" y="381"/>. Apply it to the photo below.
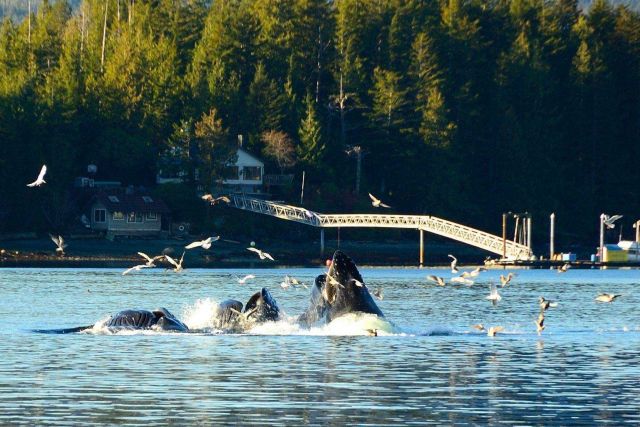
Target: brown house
<point x="121" y="212"/>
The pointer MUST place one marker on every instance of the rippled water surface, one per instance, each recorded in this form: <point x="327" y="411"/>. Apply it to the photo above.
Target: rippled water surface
<point x="431" y="367"/>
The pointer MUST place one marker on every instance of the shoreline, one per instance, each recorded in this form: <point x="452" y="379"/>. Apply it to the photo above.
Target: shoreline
<point x="102" y="253"/>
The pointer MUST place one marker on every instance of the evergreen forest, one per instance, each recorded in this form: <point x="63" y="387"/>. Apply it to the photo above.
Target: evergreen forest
<point x="463" y="109"/>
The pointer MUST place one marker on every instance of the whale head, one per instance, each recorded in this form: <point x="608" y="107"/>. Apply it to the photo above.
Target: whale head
<point x="167" y="321"/>
<point x="262" y="307"/>
<point x="340" y="291"/>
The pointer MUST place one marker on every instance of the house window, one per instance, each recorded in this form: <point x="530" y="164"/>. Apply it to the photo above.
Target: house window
<point x="230" y="172"/>
<point x="118" y="216"/>
<point x="114" y="199"/>
<point x="147" y="199"/>
<point x="151" y="216"/>
<point x="99" y="215"/>
<point x="251" y="173"/>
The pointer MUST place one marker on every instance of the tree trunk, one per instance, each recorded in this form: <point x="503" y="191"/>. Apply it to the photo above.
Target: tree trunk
<point x="104" y="35"/>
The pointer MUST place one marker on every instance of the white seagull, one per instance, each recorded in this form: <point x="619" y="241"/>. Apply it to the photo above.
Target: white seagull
<point x="59" y="241"/>
<point x="609" y="220"/>
<point x="436" y="279"/>
<point x="286" y="282"/>
<point x="563" y="268"/>
<point x="475" y="272"/>
<point x="494" y="296"/>
<point x="150" y="261"/>
<point x="377" y="203"/>
<point x="545" y="304"/>
<point x="178" y="265"/>
<point x="204" y="244"/>
<point x="494" y="330"/>
<point x="605" y="297"/>
<point x="243" y="280"/>
<point x="462" y="279"/>
<point x="454" y="263"/>
<point x="261" y="254"/>
<point x="136" y="268"/>
<point x="505" y="280"/>
<point x="40" y="179"/>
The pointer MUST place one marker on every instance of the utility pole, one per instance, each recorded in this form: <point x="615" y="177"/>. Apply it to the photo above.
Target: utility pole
<point x="552" y="236"/>
<point x="602" y="218"/>
<point x="529" y="233"/>
<point x="504" y="235"/>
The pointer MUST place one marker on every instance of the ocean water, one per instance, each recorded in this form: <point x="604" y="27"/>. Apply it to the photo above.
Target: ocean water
<point x="426" y="366"/>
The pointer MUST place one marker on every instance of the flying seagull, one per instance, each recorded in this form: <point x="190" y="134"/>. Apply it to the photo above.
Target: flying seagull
<point x="454" y="264"/>
<point x="59" y="241"/>
<point x="243" y="280"/>
<point x="475" y="272"/>
<point x="462" y="279"/>
<point x="436" y="279"/>
<point x="261" y="254"/>
<point x="505" y="280"/>
<point x="494" y="330"/>
<point x="607" y="297"/>
<point x="150" y="261"/>
<point x="564" y="267"/>
<point x="213" y="200"/>
<point x="177" y="264"/>
<point x="204" y="244"/>
<point x="545" y="304"/>
<point x="494" y="296"/>
<point x="295" y="282"/>
<point x="377" y="203"/>
<point x="540" y="323"/>
<point x="609" y="220"/>
<point x="40" y="179"/>
<point x="135" y="268"/>
<point x="378" y="294"/>
<point x="285" y="283"/>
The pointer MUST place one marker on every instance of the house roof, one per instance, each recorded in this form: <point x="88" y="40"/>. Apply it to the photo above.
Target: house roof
<point x="126" y="201"/>
<point x="248" y="154"/>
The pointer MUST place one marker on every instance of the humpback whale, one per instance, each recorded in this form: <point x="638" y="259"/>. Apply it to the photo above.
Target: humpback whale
<point x="261" y="307"/>
<point x="340" y="291"/>
<point x="158" y="319"/>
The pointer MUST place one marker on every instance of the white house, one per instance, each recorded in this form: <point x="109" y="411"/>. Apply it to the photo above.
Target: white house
<point x="245" y="175"/>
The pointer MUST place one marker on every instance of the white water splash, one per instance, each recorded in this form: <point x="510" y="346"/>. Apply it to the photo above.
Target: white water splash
<point x="349" y="324"/>
<point x="202" y="315"/>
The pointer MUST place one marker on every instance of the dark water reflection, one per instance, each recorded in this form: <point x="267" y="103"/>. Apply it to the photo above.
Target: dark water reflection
<point x="585" y="368"/>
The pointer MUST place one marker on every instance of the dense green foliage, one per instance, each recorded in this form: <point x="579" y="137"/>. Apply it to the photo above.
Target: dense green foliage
<point x="462" y="108"/>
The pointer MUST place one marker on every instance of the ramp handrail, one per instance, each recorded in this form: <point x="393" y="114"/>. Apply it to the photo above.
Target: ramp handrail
<point x="431" y="224"/>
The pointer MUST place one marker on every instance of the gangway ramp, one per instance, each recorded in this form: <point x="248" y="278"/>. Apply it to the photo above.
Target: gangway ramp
<point x="431" y="224"/>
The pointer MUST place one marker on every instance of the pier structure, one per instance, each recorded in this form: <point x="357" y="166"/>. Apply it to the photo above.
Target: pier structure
<point x="498" y="245"/>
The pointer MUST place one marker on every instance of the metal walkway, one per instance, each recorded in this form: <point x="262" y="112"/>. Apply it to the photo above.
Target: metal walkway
<point x="431" y="224"/>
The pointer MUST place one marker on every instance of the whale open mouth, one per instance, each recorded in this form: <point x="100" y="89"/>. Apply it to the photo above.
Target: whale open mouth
<point x="344" y="290"/>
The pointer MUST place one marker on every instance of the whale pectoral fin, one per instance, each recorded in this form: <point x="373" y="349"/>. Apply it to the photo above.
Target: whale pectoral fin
<point x="63" y="331"/>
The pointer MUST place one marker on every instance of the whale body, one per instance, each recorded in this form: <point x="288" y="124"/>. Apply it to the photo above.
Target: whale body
<point x="158" y="319"/>
<point x="340" y="291"/>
